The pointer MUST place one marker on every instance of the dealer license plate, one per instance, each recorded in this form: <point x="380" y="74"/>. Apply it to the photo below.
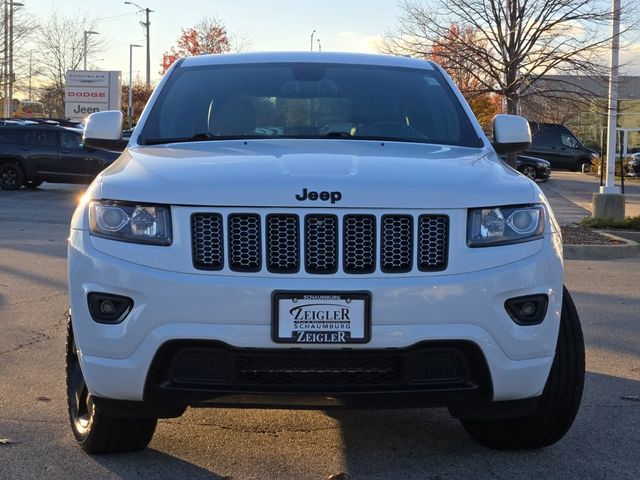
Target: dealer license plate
<point x="326" y="317"/>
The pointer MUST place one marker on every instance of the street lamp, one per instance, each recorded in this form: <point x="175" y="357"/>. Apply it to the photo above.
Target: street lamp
<point x="312" y="34"/>
<point x="146" y="25"/>
<point x="86" y="34"/>
<point x="130" y="109"/>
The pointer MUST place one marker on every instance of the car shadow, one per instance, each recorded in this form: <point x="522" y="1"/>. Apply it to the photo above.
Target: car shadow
<point x="429" y="444"/>
<point x="153" y="464"/>
<point x="608" y="321"/>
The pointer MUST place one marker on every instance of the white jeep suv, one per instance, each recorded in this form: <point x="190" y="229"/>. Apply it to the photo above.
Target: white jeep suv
<point x="320" y="230"/>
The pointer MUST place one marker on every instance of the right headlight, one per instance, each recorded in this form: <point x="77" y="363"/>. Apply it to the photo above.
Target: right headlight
<point x="487" y="227"/>
<point x="130" y="222"/>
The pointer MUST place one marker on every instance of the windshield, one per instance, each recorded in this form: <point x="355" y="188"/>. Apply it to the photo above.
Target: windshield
<point x="308" y="100"/>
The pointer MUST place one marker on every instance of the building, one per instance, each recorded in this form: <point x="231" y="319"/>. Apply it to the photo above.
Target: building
<point x="581" y="102"/>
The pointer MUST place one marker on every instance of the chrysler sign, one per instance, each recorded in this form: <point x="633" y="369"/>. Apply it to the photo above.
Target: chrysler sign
<point x="91" y="91"/>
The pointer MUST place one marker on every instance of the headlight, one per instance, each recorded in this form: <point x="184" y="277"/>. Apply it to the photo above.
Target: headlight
<point x="130" y="222"/>
<point x="504" y="225"/>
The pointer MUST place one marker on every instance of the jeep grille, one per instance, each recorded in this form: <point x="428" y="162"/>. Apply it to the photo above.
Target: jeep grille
<point x="321" y="243"/>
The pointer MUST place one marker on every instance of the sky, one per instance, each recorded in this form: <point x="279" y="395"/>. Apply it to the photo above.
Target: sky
<point x="341" y="25"/>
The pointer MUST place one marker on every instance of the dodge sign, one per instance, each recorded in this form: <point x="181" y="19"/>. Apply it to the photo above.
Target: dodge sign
<point x="89" y="91"/>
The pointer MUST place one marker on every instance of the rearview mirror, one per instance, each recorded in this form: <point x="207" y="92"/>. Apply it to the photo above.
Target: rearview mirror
<point x="511" y="133"/>
<point x="103" y="130"/>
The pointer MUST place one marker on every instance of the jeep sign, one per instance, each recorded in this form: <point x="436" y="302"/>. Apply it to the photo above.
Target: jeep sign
<point x="91" y="91"/>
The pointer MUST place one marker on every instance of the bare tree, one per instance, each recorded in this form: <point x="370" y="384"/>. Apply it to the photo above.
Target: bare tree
<point x="23" y="26"/>
<point x="60" y="47"/>
<point x="520" y="41"/>
<point x="462" y="69"/>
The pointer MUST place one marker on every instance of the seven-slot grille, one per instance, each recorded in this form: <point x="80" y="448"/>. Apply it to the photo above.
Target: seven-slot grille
<point x="312" y="242"/>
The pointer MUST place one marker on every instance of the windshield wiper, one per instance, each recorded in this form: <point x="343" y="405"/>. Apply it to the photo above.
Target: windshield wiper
<point x="338" y="135"/>
<point x="198" y="137"/>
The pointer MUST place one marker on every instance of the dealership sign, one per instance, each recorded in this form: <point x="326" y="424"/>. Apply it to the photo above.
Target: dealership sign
<point x="89" y="91"/>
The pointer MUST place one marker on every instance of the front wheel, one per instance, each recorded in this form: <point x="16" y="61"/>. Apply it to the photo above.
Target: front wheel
<point x="11" y="176"/>
<point x="94" y="431"/>
<point x="529" y="171"/>
<point x="558" y="405"/>
<point x="583" y="166"/>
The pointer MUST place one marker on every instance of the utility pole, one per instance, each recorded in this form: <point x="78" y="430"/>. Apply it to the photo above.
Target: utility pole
<point x="30" y="71"/>
<point x="130" y="108"/>
<point x="609" y="202"/>
<point x="146" y="24"/>
<point x="11" y="74"/>
<point x="5" y="64"/>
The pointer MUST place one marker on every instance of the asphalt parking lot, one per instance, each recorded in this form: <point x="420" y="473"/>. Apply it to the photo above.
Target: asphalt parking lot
<point x="288" y="444"/>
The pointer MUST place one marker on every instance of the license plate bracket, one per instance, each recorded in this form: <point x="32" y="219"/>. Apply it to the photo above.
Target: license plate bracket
<point x="321" y="317"/>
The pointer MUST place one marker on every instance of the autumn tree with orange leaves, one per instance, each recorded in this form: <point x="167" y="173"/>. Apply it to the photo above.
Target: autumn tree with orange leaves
<point x="140" y="94"/>
<point x="463" y="71"/>
<point x="209" y="35"/>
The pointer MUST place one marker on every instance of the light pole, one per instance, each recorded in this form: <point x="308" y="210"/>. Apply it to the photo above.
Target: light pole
<point x="146" y="24"/>
<point x="130" y="109"/>
<point x="11" y="79"/>
<point x="5" y="63"/>
<point x="319" y="45"/>
<point x="609" y="202"/>
<point x="312" y="34"/>
<point x="86" y="35"/>
<point x="30" y="71"/>
<point x="613" y="102"/>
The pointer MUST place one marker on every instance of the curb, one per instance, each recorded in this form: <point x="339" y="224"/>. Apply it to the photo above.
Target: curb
<point x="628" y="249"/>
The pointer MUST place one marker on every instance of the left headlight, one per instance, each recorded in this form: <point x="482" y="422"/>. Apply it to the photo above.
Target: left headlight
<point x="487" y="227"/>
<point x="131" y="222"/>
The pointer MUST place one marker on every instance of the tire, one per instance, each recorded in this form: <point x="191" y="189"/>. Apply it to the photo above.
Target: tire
<point x="33" y="184"/>
<point x="11" y="176"/>
<point x="583" y="166"/>
<point x="560" y="400"/>
<point x="95" y="432"/>
<point x="529" y="171"/>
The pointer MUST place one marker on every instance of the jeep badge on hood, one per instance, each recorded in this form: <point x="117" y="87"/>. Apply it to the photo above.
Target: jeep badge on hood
<point x="324" y="196"/>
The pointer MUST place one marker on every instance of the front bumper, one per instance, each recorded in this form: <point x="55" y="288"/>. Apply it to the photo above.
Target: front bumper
<point x="235" y="310"/>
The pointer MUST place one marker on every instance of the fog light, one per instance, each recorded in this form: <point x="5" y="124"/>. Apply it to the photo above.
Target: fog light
<point x="109" y="308"/>
<point x="528" y="310"/>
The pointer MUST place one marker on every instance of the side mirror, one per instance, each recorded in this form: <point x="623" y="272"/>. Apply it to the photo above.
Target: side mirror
<point x="510" y="134"/>
<point x="103" y="130"/>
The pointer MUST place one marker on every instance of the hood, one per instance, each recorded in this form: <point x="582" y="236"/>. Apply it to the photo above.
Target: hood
<point x="314" y="173"/>
<point x="538" y="161"/>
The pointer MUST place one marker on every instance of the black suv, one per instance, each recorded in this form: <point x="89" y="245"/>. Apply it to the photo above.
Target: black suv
<point x="557" y="144"/>
<point x="30" y="155"/>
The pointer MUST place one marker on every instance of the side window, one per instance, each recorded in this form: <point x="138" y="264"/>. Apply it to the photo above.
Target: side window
<point x="42" y="138"/>
<point x="569" y="140"/>
<point x="544" y="139"/>
<point x="12" y="136"/>
<point x="70" y="140"/>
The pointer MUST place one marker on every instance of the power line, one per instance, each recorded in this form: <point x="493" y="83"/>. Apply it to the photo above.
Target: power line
<point x="115" y="17"/>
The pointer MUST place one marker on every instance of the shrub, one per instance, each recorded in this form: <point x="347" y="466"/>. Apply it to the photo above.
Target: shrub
<point x="629" y="223"/>
<point x="596" y="162"/>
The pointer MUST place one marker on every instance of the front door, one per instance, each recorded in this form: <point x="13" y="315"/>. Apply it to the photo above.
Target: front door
<point x="41" y="146"/>
<point x="78" y="161"/>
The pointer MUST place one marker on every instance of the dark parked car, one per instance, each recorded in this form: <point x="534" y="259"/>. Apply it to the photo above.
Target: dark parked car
<point x="557" y="144"/>
<point x="534" y="168"/>
<point x="633" y="166"/>
<point x="30" y="155"/>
